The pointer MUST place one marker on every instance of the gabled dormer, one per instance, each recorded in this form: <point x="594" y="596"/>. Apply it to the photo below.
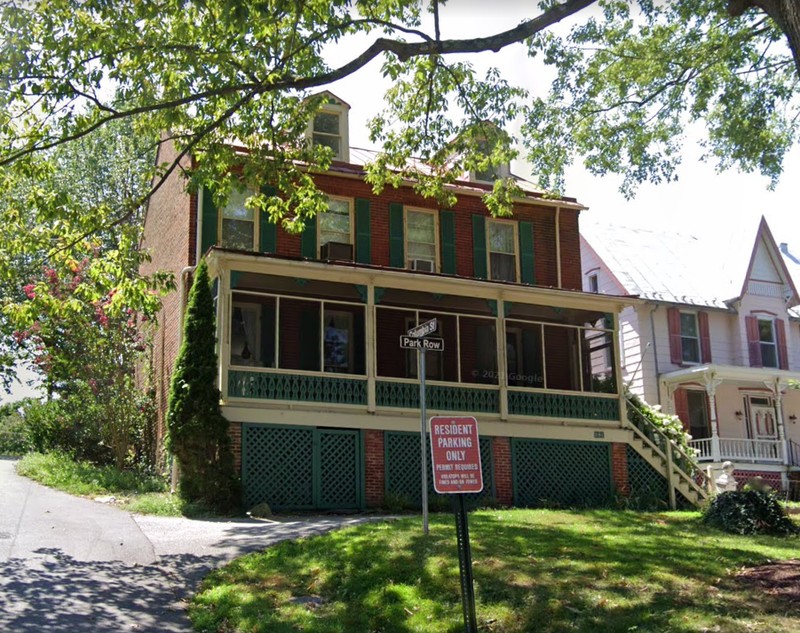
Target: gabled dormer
<point x="330" y="126"/>
<point x="767" y="275"/>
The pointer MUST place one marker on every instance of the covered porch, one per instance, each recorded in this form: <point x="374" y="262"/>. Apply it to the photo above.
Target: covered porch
<point x="304" y="333"/>
<point x="740" y="414"/>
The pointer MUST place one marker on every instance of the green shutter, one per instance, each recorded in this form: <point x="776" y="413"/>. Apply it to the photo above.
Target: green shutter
<point x="308" y="240"/>
<point x="363" y="233"/>
<point x="208" y="237"/>
<point x="447" y="228"/>
<point x="268" y="242"/>
<point x="397" y="257"/>
<point x="526" y="258"/>
<point x="479" y="246"/>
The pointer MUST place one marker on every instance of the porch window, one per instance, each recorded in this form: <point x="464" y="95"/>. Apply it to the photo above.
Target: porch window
<point x="524" y="355"/>
<point x="238" y="223"/>
<point x="253" y="332"/>
<point x="338" y="341"/>
<point x="768" y="343"/>
<point x="502" y="244"/>
<point x="697" y="405"/>
<point x="336" y="224"/>
<point x="421" y="239"/>
<point x="690" y="338"/>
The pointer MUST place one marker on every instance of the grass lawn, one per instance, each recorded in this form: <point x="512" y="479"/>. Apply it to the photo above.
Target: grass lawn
<point x="132" y="491"/>
<point x="535" y="571"/>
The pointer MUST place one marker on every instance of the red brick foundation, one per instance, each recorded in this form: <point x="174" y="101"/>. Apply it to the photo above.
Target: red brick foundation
<point x="235" y="431"/>
<point x="619" y="468"/>
<point x="503" y="485"/>
<point x="375" y="472"/>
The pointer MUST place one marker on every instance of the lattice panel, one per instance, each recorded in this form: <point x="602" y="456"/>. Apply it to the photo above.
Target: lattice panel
<point x="649" y="489"/>
<point x="440" y="397"/>
<point x="564" y="474"/>
<point x="270" y="386"/>
<point x="339" y="467"/>
<point x="556" y="405"/>
<point x="277" y="466"/>
<point x="403" y="472"/>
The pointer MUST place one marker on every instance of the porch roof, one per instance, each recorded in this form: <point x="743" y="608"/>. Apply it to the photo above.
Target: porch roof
<point x="220" y="260"/>
<point x="734" y="373"/>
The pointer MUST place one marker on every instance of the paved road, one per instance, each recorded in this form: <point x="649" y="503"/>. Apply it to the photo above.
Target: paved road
<point x="72" y="565"/>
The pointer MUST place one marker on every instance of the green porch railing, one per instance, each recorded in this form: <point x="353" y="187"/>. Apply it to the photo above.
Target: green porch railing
<point x="440" y="397"/>
<point x="558" y="405"/>
<point x="303" y="388"/>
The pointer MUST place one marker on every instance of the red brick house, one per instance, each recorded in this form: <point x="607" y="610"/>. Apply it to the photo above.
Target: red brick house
<point x="324" y="404"/>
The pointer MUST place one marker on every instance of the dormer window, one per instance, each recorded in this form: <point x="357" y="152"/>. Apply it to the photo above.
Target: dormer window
<point x="492" y="172"/>
<point x="329" y="127"/>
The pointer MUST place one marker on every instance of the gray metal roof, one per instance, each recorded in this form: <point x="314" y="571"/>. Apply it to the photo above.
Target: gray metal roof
<point x="681" y="267"/>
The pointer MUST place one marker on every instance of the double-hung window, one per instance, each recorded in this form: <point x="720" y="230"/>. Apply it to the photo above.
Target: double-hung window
<point x="502" y="247"/>
<point x="238" y="223"/>
<point x="421" y="240"/>
<point x="690" y="338"/>
<point x="768" y="343"/>
<point x="327" y="131"/>
<point x="336" y="224"/>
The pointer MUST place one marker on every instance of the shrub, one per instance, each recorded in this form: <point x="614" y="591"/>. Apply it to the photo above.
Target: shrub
<point x="14" y="438"/>
<point x="749" y="512"/>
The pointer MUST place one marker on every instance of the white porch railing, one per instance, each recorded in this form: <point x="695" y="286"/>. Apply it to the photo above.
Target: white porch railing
<point x="740" y="450"/>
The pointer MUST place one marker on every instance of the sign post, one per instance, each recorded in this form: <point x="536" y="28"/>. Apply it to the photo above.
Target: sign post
<point x="456" y="465"/>
<point x="414" y="339"/>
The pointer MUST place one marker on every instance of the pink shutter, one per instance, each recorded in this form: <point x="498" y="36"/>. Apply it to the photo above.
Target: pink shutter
<point x="682" y="407"/>
<point x="674" y="325"/>
<point x="705" y="337"/>
<point x="780" y="335"/>
<point x="753" y="342"/>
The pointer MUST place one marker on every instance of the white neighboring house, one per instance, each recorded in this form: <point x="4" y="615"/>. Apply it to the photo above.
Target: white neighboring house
<point x="716" y="339"/>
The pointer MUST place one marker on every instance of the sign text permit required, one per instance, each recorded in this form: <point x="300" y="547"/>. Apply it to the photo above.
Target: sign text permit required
<point x="455" y="455"/>
<point x="430" y="344"/>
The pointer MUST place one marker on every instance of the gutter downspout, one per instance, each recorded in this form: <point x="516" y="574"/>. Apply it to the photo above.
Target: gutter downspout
<point x="184" y="276"/>
<point x="655" y="354"/>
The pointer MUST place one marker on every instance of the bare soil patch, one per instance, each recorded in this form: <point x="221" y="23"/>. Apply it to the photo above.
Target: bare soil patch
<point x="780" y="580"/>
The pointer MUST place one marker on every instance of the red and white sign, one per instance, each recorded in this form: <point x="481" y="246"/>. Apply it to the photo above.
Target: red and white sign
<point x="455" y="455"/>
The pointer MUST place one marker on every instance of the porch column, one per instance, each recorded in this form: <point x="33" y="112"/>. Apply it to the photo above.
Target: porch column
<point x="502" y="358"/>
<point x="777" y="389"/>
<point x="711" y="390"/>
<point x="370" y="333"/>
<point x="668" y="391"/>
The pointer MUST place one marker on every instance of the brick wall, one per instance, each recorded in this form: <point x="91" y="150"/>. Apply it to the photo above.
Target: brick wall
<point x="503" y="485"/>
<point x="235" y="432"/>
<point x="169" y="238"/>
<point x="375" y="474"/>
<point x="542" y="218"/>
<point x="619" y="468"/>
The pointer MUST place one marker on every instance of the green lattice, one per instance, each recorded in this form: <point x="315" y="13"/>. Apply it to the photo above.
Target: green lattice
<point x="557" y="405"/>
<point x="270" y="386"/>
<point x="340" y="479"/>
<point x="561" y="474"/>
<point x="402" y="459"/>
<point x="440" y="397"/>
<point x="298" y="468"/>
<point x="277" y="466"/>
<point x="648" y="488"/>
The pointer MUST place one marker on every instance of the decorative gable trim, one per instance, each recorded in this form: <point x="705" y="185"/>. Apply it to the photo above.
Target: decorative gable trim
<point x="784" y="288"/>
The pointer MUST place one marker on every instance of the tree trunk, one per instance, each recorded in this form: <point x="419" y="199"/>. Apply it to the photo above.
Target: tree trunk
<point x="785" y="13"/>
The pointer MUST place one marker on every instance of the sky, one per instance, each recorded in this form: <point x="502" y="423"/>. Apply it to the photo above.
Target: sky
<point x="701" y="202"/>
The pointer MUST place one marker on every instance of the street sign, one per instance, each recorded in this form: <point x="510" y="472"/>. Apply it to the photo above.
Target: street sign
<point x="431" y="344"/>
<point x="422" y="329"/>
<point x="455" y="455"/>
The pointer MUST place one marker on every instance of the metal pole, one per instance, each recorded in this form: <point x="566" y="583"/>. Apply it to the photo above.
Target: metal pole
<point x="465" y="564"/>
<point x="423" y="441"/>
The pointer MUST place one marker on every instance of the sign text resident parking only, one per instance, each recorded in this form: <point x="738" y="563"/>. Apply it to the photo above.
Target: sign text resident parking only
<point x="455" y="455"/>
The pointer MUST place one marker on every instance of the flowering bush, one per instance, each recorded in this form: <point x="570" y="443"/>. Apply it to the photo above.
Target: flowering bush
<point x="670" y="425"/>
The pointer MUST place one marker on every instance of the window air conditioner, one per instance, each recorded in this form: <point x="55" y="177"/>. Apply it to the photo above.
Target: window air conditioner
<point x="336" y="251"/>
<point x="424" y="265"/>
